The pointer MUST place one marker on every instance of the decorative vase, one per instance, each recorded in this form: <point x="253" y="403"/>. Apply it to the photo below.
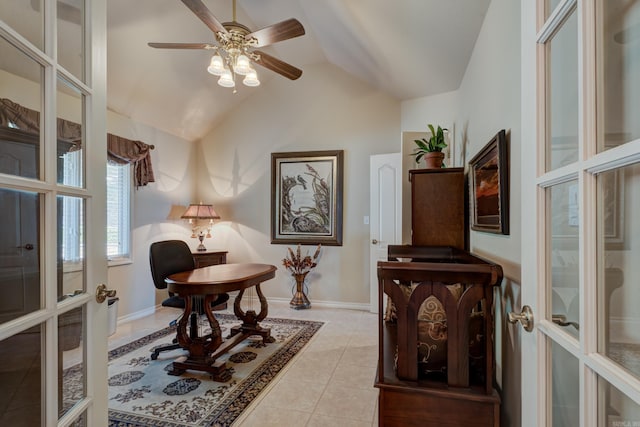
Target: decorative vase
<point x="433" y="160"/>
<point x="300" y="300"/>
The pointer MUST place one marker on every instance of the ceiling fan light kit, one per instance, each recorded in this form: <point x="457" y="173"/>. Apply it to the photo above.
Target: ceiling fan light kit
<point x="242" y="67"/>
<point x="226" y="79"/>
<point x="251" y="79"/>
<point x="216" y="67"/>
<point x="236" y="47"/>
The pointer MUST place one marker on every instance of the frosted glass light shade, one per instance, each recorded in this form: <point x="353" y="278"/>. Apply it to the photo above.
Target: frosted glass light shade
<point x="216" y="66"/>
<point x="226" y="79"/>
<point x="251" y="79"/>
<point x="242" y="66"/>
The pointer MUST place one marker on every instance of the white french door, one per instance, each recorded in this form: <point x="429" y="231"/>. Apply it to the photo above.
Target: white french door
<point x="53" y="332"/>
<point x="581" y="173"/>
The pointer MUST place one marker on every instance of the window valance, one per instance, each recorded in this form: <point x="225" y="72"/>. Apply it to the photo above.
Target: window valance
<point x="119" y="150"/>
<point x="122" y="151"/>
<point x="29" y="120"/>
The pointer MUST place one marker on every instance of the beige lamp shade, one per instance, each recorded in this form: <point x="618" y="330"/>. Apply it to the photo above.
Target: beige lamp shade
<point x="200" y="211"/>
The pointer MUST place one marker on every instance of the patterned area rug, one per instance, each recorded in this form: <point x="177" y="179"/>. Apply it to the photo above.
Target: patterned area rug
<point x="142" y="393"/>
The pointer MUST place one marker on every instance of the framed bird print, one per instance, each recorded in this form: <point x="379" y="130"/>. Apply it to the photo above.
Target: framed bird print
<point x="306" y="197"/>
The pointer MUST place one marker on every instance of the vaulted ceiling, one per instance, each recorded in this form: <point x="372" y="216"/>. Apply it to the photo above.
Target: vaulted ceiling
<point x="406" y="48"/>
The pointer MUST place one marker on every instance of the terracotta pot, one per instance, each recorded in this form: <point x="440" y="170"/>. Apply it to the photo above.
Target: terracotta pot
<point x="433" y="160"/>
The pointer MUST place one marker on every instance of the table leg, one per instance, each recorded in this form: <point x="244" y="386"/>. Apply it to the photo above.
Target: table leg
<point x="200" y="348"/>
<point x="250" y="319"/>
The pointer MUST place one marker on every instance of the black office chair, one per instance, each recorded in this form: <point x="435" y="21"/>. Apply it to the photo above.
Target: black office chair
<point x="166" y="258"/>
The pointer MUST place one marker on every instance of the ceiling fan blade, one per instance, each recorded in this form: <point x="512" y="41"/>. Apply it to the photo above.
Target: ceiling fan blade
<point x="277" y="32"/>
<point x="280" y="67"/>
<point x="181" y="45"/>
<point x="205" y="15"/>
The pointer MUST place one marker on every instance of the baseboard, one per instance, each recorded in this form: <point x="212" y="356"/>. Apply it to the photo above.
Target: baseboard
<point x="137" y="315"/>
<point x="314" y="303"/>
<point x="326" y="304"/>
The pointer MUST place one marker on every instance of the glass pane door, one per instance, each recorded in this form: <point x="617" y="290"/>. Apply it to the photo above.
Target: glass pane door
<point x="52" y="108"/>
<point x="587" y="190"/>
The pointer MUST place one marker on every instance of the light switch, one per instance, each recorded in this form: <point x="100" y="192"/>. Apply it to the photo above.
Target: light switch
<point x="366" y="220"/>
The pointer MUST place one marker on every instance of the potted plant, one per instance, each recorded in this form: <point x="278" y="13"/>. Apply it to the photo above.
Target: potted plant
<point x="431" y="149"/>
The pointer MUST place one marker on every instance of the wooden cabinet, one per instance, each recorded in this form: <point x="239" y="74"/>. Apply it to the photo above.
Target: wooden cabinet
<point x="438" y="214"/>
<point x="207" y="258"/>
<point x="449" y="291"/>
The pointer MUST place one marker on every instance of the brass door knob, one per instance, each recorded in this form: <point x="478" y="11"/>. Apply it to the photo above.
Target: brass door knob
<point x="102" y="293"/>
<point x="525" y="318"/>
<point x="374" y="241"/>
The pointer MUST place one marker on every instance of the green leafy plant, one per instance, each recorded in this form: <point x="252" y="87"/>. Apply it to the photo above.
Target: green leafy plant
<point x="434" y="144"/>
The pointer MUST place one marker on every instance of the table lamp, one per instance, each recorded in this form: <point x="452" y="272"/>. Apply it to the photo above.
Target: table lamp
<point x="197" y="212"/>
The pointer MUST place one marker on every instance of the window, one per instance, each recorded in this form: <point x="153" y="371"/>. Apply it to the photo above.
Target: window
<point x="72" y="210"/>
<point x="118" y="211"/>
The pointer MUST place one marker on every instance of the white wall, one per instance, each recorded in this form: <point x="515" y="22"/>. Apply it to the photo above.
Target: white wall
<point x="173" y="162"/>
<point x="325" y="109"/>
<point x="489" y="100"/>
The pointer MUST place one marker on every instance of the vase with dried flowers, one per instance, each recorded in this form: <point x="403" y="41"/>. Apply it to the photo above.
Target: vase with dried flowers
<point x="299" y="267"/>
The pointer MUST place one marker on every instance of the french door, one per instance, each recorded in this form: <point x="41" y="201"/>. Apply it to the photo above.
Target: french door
<point x="53" y="332"/>
<point x="581" y="172"/>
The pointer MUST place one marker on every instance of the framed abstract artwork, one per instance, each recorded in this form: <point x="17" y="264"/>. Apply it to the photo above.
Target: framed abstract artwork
<point x="306" y="197"/>
<point x="489" y="186"/>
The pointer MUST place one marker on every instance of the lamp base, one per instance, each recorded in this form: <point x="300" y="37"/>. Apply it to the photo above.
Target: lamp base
<point x="201" y="247"/>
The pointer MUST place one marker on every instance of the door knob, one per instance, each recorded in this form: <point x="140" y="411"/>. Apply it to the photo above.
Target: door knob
<point x="102" y="293"/>
<point x="374" y="241"/>
<point x="525" y="318"/>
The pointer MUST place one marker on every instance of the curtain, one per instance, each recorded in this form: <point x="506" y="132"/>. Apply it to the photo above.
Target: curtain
<point x="29" y="120"/>
<point x="119" y="150"/>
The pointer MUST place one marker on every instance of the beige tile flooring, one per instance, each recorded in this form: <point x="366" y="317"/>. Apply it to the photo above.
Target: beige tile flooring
<point x="328" y="383"/>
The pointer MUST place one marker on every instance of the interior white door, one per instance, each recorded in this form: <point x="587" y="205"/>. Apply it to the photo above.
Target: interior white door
<point x="385" y="213"/>
<point x="53" y="338"/>
<point x="580" y="185"/>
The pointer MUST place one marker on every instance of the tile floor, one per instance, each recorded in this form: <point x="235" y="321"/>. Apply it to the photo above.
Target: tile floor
<point x="329" y="383"/>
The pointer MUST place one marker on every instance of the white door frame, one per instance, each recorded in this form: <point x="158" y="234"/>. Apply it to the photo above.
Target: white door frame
<point x="530" y="394"/>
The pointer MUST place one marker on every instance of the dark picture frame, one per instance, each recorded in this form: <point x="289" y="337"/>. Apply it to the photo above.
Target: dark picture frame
<point x="306" y="197"/>
<point x="489" y="187"/>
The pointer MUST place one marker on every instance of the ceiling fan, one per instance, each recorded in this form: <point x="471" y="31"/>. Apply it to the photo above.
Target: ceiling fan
<point x="237" y="45"/>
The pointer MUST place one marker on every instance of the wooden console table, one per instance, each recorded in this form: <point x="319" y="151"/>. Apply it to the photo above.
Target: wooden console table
<point x="207" y="258"/>
<point x="456" y="396"/>
<point x="209" y="282"/>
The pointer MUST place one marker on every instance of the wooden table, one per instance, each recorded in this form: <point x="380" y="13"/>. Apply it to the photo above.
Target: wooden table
<point x="209" y="282"/>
